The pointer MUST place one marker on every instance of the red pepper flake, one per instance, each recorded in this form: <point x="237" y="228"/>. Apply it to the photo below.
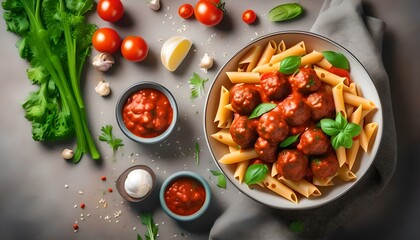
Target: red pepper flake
<point x="75" y="226"/>
<point x="103" y="178"/>
<point x="109" y="189"/>
<point x="82" y="205"/>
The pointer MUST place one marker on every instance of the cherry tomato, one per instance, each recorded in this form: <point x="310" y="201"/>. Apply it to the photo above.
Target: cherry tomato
<point x="110" y="10"/>
<point x="209" y="12"/>
<point x="134" y="48"/>
<point x="249" y="16"/>
<point x="106" y="40"/>
<point x="186" y="10"/>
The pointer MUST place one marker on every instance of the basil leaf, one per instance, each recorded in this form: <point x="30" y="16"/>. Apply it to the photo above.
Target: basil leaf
<point x="290" y="65"/>
<point x="329" y="127"/>
<point x="352" y="130"/>
<point x="341" y="121"/>
<point x="335" y="141"/>
<point x="255" y="173"/>
<point x="337" y="59"/>
<point x="288" y="141"/>
<point x="296" y="226"/>
<point x="347" y="141"/>
<point x="285" y="12"/>
<point x="221" y="179"/>
<point x="261" y="109"/>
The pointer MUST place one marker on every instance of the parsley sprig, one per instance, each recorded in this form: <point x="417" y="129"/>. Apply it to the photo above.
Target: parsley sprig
<point x="108" y="137"/>
<point x="197" y="85"/>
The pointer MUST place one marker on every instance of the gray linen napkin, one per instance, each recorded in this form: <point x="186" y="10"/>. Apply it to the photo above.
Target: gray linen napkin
<point x="342" y="21"/>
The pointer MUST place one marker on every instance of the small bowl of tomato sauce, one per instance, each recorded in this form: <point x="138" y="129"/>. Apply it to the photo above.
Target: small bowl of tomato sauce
<point x="185" y="195"/>
<point x="147" y="112"/>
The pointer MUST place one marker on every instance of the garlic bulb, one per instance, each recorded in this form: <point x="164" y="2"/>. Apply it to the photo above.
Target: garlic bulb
<point x="154" y="4"/>
<point x="103" y="88"/>
<point x="206" y="62"/>
<point x="103" y="62"/>
<point x="67" y="154"/>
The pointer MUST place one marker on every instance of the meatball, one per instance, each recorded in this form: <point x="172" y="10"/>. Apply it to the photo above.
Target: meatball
<point x="292" y="164"/>
<point x="244" y="98"/>
<point x="275" y="85"/>
<point x="266" y="151"/>
<point x="313" y="142"/>
<point x="295" y="110"/>
<point x="305" y="81"/>
<point x="321" y="103"/>
<point x="272" y="127"/>
<point x="244" y="131"/>
<point x="325" y="166"/>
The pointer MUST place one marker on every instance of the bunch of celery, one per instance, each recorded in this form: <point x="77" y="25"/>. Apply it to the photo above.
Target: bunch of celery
<point x="56" y="40"/>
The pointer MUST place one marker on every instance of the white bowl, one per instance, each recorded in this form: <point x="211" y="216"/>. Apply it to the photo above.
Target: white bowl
<point x="358" y="74"/>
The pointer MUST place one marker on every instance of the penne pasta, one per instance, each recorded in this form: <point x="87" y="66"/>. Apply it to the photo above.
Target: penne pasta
<point x="240" y="170"/>
<point x="324" y="64"/>
<point x="323" y="182"/>
<point x="345" y="173"/>
<point x="244" y="77"/>
<point x="356" y="101"/>
<point x="370" y="130"/>
<point x="250" y="59"/>
<point x="303" y="187"/>
<point x="329" y="78"/>
<point x="268" y="52"/>
<point x="311" y="58"/>
<point x="223" y="114"/>
<point x="339" y="99"/>
<point x="279" y="188"/>
<point x="224" y="137"/>
<point x="238" y="156"/>
<point x="297" y="50"/>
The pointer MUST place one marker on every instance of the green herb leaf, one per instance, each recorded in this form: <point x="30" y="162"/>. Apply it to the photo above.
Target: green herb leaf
<point x="152" y="229"/>
<point x="296" y="226"/>
<point x="290" y="65"/>
<point x="329" y="127"/>
<point x="221" y="178"/>
<point x="108" y="137"/>
<point x="197" y="85"/>
<point x="255" y="173"/>
<point x="261" y="109"/>
<point x="197" y="152"/>
<point x="337" y="59"/>
<point x="290" y="140"/>
<point x="340" y="130"/>
<point x="285" y="12"/>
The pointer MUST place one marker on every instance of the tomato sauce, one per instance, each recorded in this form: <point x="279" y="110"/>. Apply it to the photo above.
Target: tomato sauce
<point x="147" y="113"/>
<point x="185" y="196"/>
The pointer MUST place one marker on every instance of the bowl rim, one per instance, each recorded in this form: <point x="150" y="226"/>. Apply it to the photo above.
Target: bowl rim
<point x="137" y="87"/>
<point x="177" y="175"/>
<point x="121" y="181"/>
<point x="261" y="38"/>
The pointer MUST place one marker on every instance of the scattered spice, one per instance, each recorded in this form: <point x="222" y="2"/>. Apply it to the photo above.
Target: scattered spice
<point x="75" y="226"/>
<point x="110" y="190"/>
<point x="82" y="205"/>
<point x="103" y="178"/>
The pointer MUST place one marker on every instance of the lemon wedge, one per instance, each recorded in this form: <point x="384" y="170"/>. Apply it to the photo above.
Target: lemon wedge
<point x="173" y="52"/>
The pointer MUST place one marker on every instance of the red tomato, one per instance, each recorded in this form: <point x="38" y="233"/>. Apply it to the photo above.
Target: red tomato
<point x="134" y="48"/>
<point x="186" y="10"/>
<point x="106" y="40"/>
<point x="110" y="10"/>
<point x="209" y="12"/>
<point x="249" y="16"/>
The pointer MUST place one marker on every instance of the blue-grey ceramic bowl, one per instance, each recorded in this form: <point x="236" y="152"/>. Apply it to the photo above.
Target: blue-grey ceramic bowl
<point x="137" y="87"/>
<point x="182" y="174"/>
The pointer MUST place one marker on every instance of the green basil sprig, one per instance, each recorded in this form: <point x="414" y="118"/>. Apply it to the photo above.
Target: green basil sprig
<point x="290" y="65"/>
<point x="285" y="12"/>
<point x="261" y="109"/>
<point x="337" y="59"/>
<point x="255" y="173"/>
<point x="221" y="178"/>
<point x="340" y="130"/>
<point x="289" y="141"/>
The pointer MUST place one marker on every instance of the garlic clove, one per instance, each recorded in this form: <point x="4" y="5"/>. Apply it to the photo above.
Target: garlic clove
<point x="67" y="154"/>
<point x="154" y="4"/>
<point x="103" y="62"/>
<point x="103" y="88"/>
<point x="206" y="62"/>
